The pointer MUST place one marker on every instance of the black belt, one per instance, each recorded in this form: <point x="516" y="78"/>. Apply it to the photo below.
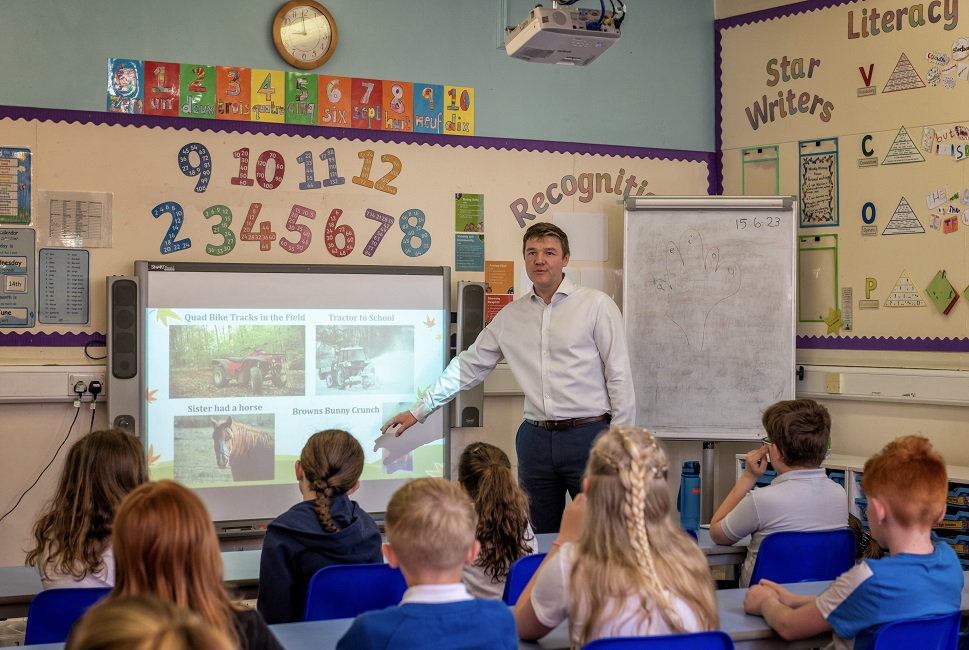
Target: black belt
<point x="564" y="425"/>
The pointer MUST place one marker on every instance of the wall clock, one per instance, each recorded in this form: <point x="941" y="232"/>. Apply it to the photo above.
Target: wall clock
<point x="304" y="33"/>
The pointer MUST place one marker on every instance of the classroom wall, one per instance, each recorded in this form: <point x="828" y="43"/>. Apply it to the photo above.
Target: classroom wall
<point x="891" y="336"/>
<point x="653" y="89"/>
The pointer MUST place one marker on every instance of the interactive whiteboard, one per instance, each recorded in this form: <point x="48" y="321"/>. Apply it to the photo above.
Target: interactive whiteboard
<point x="709" y="302"/>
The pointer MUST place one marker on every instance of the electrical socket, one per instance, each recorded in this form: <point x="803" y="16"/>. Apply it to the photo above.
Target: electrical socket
<point x="834" y="383"/>
<point x="87" y="378"/>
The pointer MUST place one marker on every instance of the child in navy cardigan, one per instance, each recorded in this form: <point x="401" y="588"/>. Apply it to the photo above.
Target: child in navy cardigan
<point x="325" y="528"/>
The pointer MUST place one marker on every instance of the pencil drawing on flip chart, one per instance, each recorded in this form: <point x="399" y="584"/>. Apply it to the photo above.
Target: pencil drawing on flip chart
<point x="696" y="282"/>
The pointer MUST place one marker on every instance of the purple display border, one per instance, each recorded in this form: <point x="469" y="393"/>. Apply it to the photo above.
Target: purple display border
<point x="740" y="21"/>
<point x="888" y="344"/>
<point x="56" y="339"/>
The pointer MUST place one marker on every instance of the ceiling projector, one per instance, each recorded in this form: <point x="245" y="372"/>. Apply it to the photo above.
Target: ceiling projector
<point x="562" y="36"/>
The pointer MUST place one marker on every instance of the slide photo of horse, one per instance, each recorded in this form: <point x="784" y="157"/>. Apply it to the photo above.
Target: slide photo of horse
<point x="226" y="449"/>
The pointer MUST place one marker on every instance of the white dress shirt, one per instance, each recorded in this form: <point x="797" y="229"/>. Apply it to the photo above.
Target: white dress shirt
<point x="569" y="357"/>
<point x="435" y="594"/>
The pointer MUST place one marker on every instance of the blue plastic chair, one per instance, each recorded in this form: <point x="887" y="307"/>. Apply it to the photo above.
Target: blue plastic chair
<point x="346" y="590"/>
<point x="519" y="573"/>
<point x="802" y="556"/>
<point x="929" y="633"/>
<point x="692" y="533"/>
<point x="713" y="640"/>
<point x="53" y="611"/>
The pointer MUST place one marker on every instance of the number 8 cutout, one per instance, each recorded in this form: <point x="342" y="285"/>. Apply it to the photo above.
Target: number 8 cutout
<point x="412" y="231"/>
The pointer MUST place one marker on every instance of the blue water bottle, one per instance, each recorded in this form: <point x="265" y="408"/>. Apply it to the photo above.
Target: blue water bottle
<point x="688" y="499"/>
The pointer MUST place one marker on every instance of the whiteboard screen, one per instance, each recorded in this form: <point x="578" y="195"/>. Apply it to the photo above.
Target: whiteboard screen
<point x="709" y="309"/>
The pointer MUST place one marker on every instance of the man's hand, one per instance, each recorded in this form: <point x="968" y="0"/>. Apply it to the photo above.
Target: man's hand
<point x="756" y="597"/>
<point x="399" y="423"/>
<point x="757" y="461"/>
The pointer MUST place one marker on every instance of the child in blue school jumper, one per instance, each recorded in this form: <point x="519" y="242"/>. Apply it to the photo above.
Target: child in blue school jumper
<point x="906" y="486"/>
<point x="431" y="537"/>
<point x="325" y="528"/>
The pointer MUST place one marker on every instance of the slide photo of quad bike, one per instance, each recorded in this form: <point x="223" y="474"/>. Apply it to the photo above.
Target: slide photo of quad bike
<point x="218" y="361"/>
<point x="364" y="358"/>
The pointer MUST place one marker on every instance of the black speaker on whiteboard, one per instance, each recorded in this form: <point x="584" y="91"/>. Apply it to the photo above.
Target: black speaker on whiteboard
<point x="468" y="405"/>
<point x="124" y="372"/>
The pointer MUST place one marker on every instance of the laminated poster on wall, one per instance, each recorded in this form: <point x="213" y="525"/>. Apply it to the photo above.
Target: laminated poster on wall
<point x="499" y="286"/>
<point x="942" y="294"/>
<point x="904" y="293"/>
<point x="65" y="286"/>
<point x="15" y="175"/>
<point x="903" y="150"/>
<point x="761" y="171"/>
<point x="17" y="292"/>
<point x="468" y="212"/>
<point x="469" y="252"/>
<point x="817" y="261"/>
<point x="818" y="182"/>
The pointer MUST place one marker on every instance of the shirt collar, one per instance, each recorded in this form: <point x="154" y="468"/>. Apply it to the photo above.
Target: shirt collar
<point x="448" y="593"/>
<point x="800" y="474"/>
<point x="565" y="288"/>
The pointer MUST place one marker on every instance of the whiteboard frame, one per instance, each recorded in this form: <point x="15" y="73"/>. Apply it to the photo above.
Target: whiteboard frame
<point x="788" y="207"/>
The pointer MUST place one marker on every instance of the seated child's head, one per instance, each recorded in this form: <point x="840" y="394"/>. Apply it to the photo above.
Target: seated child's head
<point x="430" y="528"/>
<point x="75" y="528"/>
<point x="331" y="465"/>
<point x="485" y="472"/>
<point x="909" y="477"/>
<point x="144" y="623"/>
<point x="801" y="429"/>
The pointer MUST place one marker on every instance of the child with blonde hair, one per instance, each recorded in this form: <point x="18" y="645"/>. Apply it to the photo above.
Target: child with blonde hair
<point x="165" y="546"/>
<point x="906" y="487"/>
<point x="620" y="565"/>
<point x="72" y="535"/>
<point x="144" y="623"/>
<point x="325" y="528"/>
<point x="430" y="536"/>
<point x="503" y="531"/>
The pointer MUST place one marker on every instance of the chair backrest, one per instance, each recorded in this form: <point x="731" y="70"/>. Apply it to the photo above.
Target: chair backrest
<point x="346" y="590"/>
<point x="53" y="611"/>
<point x="519" y="573"/>
<point x="692" y="533"/>
<point x="929" y="633"/>
<point x="799" y="556"/>
<point x="713" y="640"/>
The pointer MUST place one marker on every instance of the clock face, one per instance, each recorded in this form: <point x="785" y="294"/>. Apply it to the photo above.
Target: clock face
<point x="304" y="33"/>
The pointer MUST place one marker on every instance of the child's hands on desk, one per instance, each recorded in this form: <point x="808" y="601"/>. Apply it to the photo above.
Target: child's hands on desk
<point x="756" y="597"/>
<point x="757" y="460"/>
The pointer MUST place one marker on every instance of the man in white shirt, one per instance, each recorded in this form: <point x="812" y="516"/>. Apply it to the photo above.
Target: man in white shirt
<point x="566" y="347"/>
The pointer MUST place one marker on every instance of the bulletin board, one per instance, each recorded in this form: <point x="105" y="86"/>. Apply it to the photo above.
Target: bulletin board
<point x="867" y="105"/>
<point x="128" y="187"/>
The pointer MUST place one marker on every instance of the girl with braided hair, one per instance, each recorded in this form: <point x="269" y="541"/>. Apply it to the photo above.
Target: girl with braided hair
<point x="325" y="528"/>
<point x="484" y="472"/>
<point x="620" y="565"/>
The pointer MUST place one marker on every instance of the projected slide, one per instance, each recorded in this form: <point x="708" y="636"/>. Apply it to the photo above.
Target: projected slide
<point x="242" y="363"/>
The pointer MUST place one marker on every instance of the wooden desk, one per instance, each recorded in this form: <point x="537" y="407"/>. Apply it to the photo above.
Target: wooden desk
<point x="717" y="555"/>
<point x="324" y="635"/>
<point x="19" y="585"/>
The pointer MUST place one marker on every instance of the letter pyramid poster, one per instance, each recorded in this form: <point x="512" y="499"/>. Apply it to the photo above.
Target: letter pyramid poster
<point x="904" y="293"/>
<point x="904" y="77"/>
<point x="903" y="150"/>
<point x="903" y="221"/>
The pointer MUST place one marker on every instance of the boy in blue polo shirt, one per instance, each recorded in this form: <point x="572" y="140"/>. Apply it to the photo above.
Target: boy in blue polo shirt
<point x="906" y="486"/>
<point x="431" y="536"/>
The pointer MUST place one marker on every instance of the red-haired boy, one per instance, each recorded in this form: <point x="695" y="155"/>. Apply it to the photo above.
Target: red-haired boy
<point x="906" y="486"/>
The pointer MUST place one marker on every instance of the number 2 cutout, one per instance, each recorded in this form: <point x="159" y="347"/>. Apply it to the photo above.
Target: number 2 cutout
<point x="169" y="245"/>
